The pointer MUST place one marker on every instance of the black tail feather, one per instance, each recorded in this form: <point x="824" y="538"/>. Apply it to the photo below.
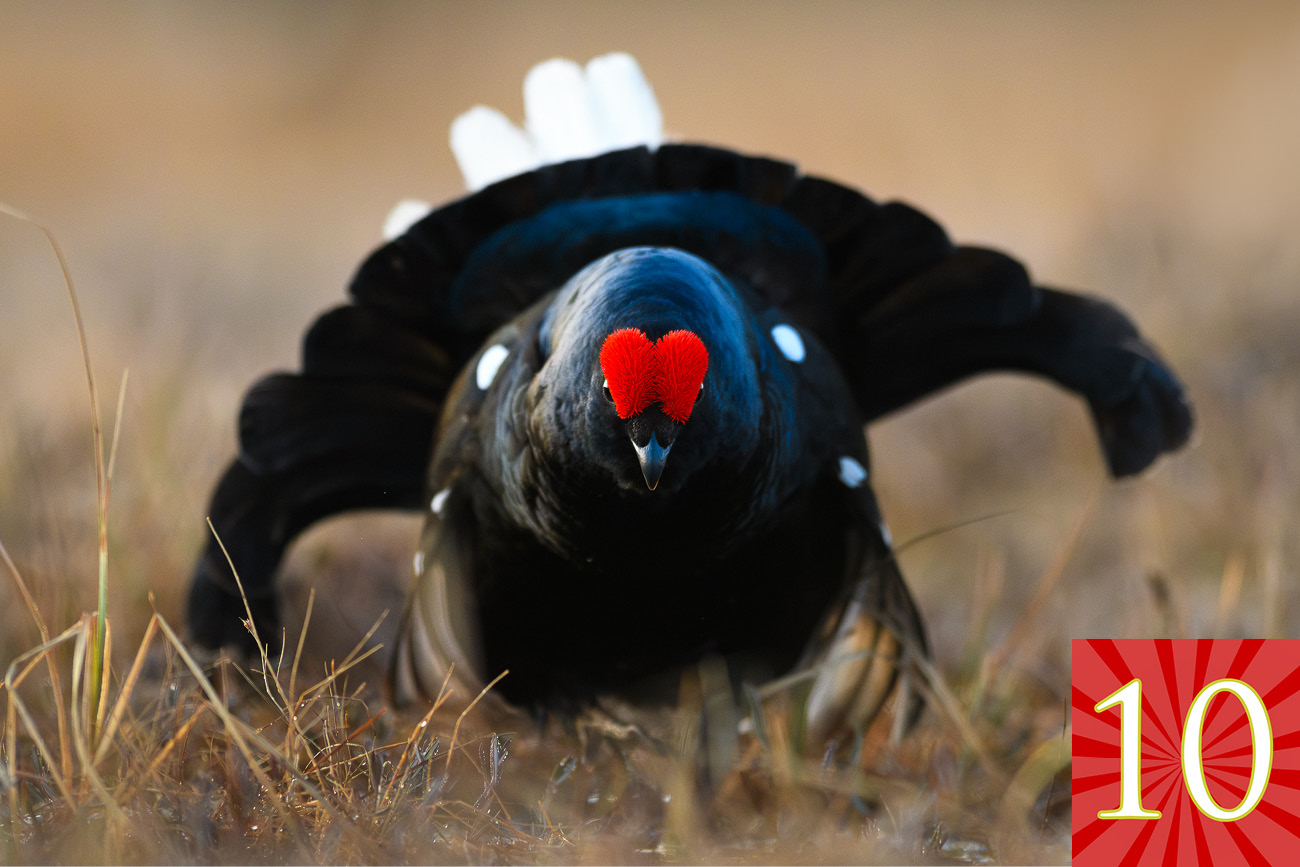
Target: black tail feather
<point x="362" y="344"/>
<point x="256" y="516"/>
<point x="289" y="419"/>
<point x="312" y="447"/>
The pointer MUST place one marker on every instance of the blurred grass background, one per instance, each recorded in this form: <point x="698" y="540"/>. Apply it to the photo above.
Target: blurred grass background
<point x="215" y="173"/>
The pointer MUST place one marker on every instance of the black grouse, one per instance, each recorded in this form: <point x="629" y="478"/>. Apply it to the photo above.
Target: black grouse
<point x="630" y="392"/>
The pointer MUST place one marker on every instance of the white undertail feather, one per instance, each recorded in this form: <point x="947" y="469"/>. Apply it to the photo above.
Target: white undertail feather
<point x="488" y="147"/>
<point x="403" y="216"/>
<point x="570" y="113"/>
<point x="559" y="112"/>
<point x="624" y="102"/>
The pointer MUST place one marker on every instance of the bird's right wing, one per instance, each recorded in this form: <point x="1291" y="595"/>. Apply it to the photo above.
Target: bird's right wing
<point x="912" y="313"/>
<point x="1081" y="343"/>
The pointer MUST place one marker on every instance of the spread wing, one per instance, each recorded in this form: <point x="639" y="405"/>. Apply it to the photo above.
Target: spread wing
<point x="904" y="311"/>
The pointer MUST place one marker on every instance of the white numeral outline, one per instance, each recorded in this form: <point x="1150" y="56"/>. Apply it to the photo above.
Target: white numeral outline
<point x="1261" y="758"/>
<point x="1129" y="698"/>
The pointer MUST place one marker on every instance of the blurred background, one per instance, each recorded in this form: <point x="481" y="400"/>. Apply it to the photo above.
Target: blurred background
<point x="215" y="172"/>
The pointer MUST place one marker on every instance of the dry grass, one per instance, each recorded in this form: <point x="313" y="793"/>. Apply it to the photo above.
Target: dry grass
<point x="176" y="761"/>
<point x="219" y="764"/>
<point x="213" y="199"/>
<point x="298" y="759"/>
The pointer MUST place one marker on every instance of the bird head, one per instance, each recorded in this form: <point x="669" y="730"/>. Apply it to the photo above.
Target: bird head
<point x="653" y="387"/>
<point x="651" y="353"/>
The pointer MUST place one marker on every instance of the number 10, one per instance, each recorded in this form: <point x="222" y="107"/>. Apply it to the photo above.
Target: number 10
<point x="1129" y="698"/>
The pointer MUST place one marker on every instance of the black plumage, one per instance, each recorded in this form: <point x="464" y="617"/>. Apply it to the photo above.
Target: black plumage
<point x="546" y="553"/>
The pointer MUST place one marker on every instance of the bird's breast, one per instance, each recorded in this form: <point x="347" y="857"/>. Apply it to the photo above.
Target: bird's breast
<point x="644" y="598"/>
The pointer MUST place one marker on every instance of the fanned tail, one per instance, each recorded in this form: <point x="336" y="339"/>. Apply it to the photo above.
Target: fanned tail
<point x="904" y="311"/>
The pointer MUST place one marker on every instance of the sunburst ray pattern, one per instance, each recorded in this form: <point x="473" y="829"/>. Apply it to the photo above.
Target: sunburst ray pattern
<point x="1172" y="673"/>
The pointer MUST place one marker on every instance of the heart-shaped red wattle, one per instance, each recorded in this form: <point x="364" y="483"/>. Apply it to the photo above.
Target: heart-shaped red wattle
<point x="668" y="372"/>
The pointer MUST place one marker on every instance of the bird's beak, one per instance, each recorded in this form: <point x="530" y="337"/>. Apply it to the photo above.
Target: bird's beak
<point x="653" y="457"/>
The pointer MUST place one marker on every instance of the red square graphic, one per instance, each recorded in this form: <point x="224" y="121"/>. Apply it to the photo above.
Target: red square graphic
<point x="1231" y="796"/>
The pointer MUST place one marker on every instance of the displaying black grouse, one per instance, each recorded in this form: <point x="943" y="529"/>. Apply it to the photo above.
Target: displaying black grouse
<point x="630" y="393"/>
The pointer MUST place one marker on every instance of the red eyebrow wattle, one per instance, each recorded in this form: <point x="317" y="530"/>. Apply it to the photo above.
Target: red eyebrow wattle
<point x="683" y="361"/>
<point x="627" y="358"/>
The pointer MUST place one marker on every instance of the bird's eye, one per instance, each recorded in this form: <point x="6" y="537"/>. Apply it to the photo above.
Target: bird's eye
<point x="609" y="397"/>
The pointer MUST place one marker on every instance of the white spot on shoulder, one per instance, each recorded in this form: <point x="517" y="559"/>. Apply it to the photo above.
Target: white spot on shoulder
<point x="403" y="216"/>
<point x="439" y="500"/>
<point x="852" y="473"/>
<point x="886" y="535"/>
<point x="789" y="342"/>
<point x="488" y="365"/>
<point x="418" y="563"/>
